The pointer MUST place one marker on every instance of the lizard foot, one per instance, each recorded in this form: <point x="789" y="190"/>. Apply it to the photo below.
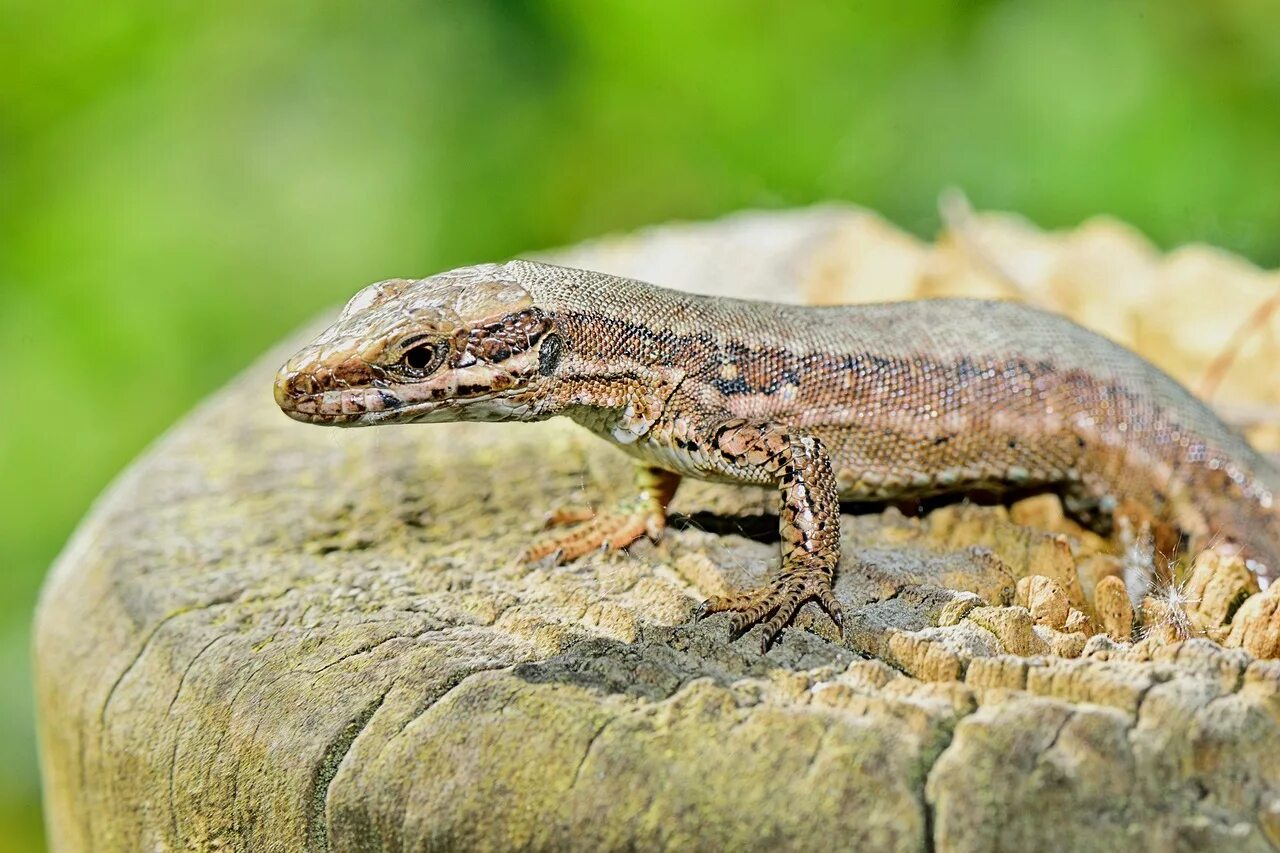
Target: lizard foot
<point x="610" y="530"/>
<point x="782" y="598"/>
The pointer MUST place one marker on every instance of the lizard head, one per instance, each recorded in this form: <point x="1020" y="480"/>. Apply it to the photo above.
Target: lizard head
<point x="468" y="344"/>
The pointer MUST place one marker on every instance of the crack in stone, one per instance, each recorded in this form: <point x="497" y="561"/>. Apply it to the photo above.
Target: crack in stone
<point x="819" y="744"/>
<point x="1057" y="733"/>
<point x="431" y="703"/>
<point x="124" y="673"/>
<point x="137" y="655"/>
<point x="1137" y="706"/>
<point x="948" y="730"/>
<point x="317" y="822"/>
<point x="404" y="813"/>
<point x="190" y="664"/>
<point x="146" y="643"/>
<point x="372" y="647"/>
<point x="586" y="753"/>
<point x="235" y="776"/>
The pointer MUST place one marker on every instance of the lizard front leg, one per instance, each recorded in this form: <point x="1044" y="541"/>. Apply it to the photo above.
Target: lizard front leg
<point x="809" y="523"/>
<point x="613" y="528"/>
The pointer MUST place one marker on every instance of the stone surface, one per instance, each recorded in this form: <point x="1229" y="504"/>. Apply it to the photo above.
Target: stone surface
<point x="269" y="636"/>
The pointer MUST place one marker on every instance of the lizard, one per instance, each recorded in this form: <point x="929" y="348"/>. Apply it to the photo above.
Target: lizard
<point x="860" y="403"/>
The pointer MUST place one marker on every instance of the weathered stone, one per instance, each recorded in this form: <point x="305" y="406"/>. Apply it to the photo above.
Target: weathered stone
<point x="1256" y="626"/>
<point x="1078" y="622"/>
<point x="1216" y="589"/>
<point x="1047" y="602"/>
<point x="1092" y="568"/>
<point x="1115" y="610"/>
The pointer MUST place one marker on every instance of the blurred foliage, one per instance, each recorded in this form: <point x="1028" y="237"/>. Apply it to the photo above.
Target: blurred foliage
<point x="181" y="184"/>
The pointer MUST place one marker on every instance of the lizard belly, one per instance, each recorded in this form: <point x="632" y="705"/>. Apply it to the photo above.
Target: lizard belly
<point x="690" y="460"/>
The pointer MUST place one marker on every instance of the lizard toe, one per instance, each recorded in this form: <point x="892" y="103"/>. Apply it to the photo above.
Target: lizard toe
<point x="606" y="531"/>
<point x="709" y="607"/>
<point x="827" y="601"/>
<point x="775" y="604"/>
<point x="781" y="617"/>
<point x="568" y="515"/>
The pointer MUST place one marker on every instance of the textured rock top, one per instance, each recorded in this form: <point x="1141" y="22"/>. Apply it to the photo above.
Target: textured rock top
<point x="272" y="636"/>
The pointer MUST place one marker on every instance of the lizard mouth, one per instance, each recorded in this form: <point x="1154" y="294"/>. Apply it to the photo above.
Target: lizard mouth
<point x="368" y="405"/>
<point x="348" y="406"/>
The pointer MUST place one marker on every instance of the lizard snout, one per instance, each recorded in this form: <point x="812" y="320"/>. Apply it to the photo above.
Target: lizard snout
<point x="337" y="391"/>
<point x="289" y="388"/>
<point x="301" y="378"/>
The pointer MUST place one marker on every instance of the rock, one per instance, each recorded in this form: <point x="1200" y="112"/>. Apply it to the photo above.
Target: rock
<point x="1256" y="626"/>
<point x="269" y="636"/>
<point x="1114" y="609"/>
<point x="1047" y="602"/>
<point x="1219" y="584"/>
<point x="1092" y="568"/>
<point x="1078" y="622"/>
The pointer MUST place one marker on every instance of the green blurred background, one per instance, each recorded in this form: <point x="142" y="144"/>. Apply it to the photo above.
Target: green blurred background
<point x="182" y="184"/>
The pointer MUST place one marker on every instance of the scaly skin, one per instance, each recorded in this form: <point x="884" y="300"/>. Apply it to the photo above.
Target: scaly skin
<point x="860" y="403"/>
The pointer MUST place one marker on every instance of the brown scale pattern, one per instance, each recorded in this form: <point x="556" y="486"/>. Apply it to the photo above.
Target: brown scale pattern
<point x="498" y="341"/>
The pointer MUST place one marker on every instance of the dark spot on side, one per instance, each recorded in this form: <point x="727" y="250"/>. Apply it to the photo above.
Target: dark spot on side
<point x="1013" y="444"/>
<point x="966" y="371"/>
<point x="729" y="387"/>
<point x="941" y="440"/>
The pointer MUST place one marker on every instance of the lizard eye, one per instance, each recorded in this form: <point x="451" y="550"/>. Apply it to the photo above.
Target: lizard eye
<point x="424" y="358"/>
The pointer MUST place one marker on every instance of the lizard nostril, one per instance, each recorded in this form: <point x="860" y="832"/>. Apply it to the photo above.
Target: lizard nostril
<point x="291" y="385"/>
<point x="285" y="388"/>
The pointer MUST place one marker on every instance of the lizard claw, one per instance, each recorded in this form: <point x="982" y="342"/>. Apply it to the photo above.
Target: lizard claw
<point x="547" y="559"/>
<point x="827" y="601"/>
<point x="778" y="602"/>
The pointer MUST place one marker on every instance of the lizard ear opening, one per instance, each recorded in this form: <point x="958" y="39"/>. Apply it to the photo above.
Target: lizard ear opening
<point x="549" y="354"/>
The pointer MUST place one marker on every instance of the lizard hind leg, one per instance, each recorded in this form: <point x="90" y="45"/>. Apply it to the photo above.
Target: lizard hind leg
<point x="584" y="530"/>
<point x="809" y="523"/>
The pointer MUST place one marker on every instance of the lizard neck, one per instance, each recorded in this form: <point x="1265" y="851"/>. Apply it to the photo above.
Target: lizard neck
<point x="614" y="376"/>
